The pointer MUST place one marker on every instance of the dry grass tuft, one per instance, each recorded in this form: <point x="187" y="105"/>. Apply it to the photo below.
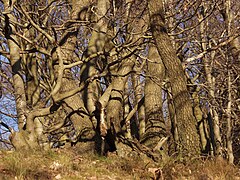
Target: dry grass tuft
<point x="72" y="164"/>
<point x="198" y="169"/>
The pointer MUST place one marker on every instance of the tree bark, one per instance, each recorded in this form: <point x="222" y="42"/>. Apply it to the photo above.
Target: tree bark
<point x="155" y="124"/>
<point x="235" y="49"/>
<point x="115" y="103"/>
<point x="229" y="120"/>
<point x="199" y="115"/>
<point x="96" y="44"/>
<point x="73" y="105"/>
<point x="188" y="137"/>
<point x="18" y="139"/>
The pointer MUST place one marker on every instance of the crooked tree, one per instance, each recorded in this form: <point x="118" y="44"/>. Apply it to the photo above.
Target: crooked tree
<point x="105" y="73"/>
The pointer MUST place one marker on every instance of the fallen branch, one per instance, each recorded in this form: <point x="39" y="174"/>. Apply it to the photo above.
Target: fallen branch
<point x="162" y="141"/>
<point x="137" y="146"/>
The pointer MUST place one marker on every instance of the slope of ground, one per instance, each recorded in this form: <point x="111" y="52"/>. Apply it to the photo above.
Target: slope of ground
<point x="75" y="164"/>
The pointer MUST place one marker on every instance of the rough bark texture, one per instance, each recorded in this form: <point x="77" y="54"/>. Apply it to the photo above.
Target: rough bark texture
<point x="186" y="123"/>
<point x="155" y="125"/>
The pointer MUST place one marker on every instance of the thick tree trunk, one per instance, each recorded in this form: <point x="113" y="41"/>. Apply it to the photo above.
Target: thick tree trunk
<point x="16" y="60"/>
<point x="92" y="92"/>
<point x="96" y="44"/>
<point x="115" y="105"/>
<point x="186" y="123"/>
<point x="73" y="105"/>
<point x="21" y="139"/>
<point x="155" y="124"/>
<point x="114" y="94"/>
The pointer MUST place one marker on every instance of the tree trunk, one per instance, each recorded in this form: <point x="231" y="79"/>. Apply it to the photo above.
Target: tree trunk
<point x="127" y="122"/>
<point x="229" y="120"/>
<point x="19" y="139"/>
<point x="115" y="102"/>
<point x="186" y="123"/>
<point x="235" y="48"/>
<point x="16" y="60"/>
<point x="199" y="115"/>
<point x="73" y="105"/>
<point x="115" y="105"/>
<point x="140" y="115"/>
<point x="155" y="124"/>
<point x="96" y="44"/>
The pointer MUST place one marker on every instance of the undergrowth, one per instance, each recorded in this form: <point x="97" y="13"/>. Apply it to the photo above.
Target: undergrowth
<point x="70" y="164"/>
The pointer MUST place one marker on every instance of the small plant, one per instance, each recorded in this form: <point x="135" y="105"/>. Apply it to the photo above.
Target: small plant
<point x="13" y="162"/>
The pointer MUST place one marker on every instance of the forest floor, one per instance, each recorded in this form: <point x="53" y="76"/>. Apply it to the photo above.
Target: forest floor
<point x="73" y="164"/>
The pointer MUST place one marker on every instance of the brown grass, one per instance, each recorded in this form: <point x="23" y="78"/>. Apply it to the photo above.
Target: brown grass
<point x="199" y="169"/>
<point x="74" y="164"/>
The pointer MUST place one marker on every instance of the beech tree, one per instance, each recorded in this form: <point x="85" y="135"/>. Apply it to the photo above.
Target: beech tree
<point x="206" y="41"/>
<point x="158" y="76"/>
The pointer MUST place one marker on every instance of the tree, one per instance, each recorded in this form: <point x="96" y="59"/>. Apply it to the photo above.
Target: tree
<point x="203" y="45"/>
<point x="100" y="73"/>
<point x="186" y="123"/>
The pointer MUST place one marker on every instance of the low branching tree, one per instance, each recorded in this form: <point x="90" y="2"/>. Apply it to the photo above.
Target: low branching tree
<point x="160" y="77"/>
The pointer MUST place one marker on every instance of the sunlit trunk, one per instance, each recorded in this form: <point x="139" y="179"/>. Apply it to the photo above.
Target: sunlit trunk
<point x="235" y="48"/>
<point x="96" y="44"/>
<point x="18" y="139"/>
<point x="186" y="123"/>
<point x="229" y="120"/>
<point x="155" y="124"/>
